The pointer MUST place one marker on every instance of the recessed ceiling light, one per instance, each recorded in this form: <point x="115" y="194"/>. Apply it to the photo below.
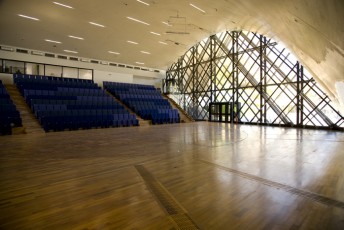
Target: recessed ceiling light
<point x="155" y="33"/>
<point x="166" y="23"/>
<point x="47" y="40"/>
<point x="164" y="43"/>
<point x="140" y="63"/>
<point x="60" y="4"/>
<point x="71" y="36"/>
<point x="143" y="2"/>
<point x="112" y="52"/>
<point x="133" y="42"/>
<point x="70" y="51"/>
<point x="25" y="16"/>
<point x="96" y="24"/>
<point x="145" y="52"/>
<point x="196" y="7"/>
<point x="136" y="20"/>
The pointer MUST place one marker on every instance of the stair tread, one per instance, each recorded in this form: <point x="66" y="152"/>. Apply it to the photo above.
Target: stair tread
<point x="29" y="121"/>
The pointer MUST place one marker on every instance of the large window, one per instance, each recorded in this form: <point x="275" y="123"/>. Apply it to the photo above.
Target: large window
<point x="70" y="72"/>
<point x="52" y="70"/>
<point x="85" y="74"/>
<point x="9" y="66"/>
<point x="35" y="69"/>
<point x="258" y="74"/>
<point x="12" y="66"/>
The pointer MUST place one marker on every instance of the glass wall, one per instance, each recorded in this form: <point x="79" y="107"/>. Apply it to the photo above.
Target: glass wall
<point x="13" y="66"/>
<point x="35" y="69"/>
<point x="85" y="74"/>
<point x="70" y="72"/>
<point x="9" y="66"/>
<point x="52" y="70"/>
<point x="264" y="78"/>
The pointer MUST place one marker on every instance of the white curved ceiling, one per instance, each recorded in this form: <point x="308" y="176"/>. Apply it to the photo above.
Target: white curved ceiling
<point x="312" y="29"/>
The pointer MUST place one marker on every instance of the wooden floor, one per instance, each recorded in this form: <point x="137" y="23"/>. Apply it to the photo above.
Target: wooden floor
<point x="184" y="176"/>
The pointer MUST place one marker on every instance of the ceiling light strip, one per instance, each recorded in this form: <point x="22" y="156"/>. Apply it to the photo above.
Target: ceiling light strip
<point x="136" y="20"/>
<point x="71" y="36"/>
<point x="28" y="17"/>
<point x="113" y="52"/>
<point x="70" y="51"/>
<point x="155" y="33"/>
<point x="60" y="4"/>
<point x="196" y="7"/>
<point x="96" y="24"/>
<point x="166" y="23"/>
<point x="164" y="43"/>
<point x="133" y="42"/>
<point x="48" y="40"/>
<point x="145" y="52"/>
<point x="143" y="2"/>
<point x="140" y="63"/>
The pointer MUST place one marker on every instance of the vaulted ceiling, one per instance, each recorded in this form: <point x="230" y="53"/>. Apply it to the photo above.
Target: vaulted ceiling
<point x="312" y="29"/>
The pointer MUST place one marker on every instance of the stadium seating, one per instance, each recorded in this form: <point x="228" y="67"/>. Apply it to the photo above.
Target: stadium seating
<point x="68" y="103"/>
<point x="145" y="101"/>
<point x="9" y="115"/>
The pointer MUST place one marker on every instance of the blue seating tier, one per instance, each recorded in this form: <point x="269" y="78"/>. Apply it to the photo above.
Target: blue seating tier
<point x="66" y="103"/>
<point x="145" y="101"/>
<point x="9" y="115"/>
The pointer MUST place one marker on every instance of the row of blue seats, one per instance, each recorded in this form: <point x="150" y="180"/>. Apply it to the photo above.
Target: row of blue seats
<point x="133" y="90"/>
<point x="127" y="85"/>
<point x="136" y="96"/>
<point x="4" y="101"/>
<point x="154" y="108"/>
<point x="80" y="90"/>
<point x="59" y="93"/>
<point x="79" y="112"/>
<point x="73" y="122"/>
<point x="76" y="102"/>
<point x="37" y="78"/>
<point x="9" y="115"/>
<point x="140" y="107"/>
<point x="59" y="108"/>
<point x="97" y="99"/>
<point x="143" y="91"/>
<point x="4" y="96"/>
<point x="53" y="85"/>
<point x="3" y="90"/>
<point x="163" y="118"/>
<point x="37" y="107"/>
<point x="148" y="102"/>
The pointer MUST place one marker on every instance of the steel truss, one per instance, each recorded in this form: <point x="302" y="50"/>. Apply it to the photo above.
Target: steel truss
<point x="272" y="87"/>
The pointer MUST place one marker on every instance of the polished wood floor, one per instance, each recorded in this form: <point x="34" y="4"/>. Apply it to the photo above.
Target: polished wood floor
<point x="184" y="176"/>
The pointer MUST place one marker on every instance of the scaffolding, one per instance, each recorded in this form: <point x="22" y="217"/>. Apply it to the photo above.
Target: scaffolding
<point x="246" y="68"/>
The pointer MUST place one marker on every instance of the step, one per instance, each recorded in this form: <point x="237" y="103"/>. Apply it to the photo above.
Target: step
<point x="145" y="123"/>
<point x="184" y="118"/>
<point x="30" y="122"/>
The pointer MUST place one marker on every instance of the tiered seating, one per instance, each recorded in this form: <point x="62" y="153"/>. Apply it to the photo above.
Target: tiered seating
<point x="145" y="100"/>
<point x="9" y="115"/>
<point x="65" y="103"/>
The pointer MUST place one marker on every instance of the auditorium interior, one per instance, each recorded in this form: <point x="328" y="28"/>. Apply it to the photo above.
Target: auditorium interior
<point x="151" y="114"/>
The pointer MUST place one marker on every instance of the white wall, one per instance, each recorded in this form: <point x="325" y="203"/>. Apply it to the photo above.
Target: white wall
<point x="100" y="76"/>
<point x="147" y="81"/>
<point x="101" y="72"/>
<point x="6" y="78"/>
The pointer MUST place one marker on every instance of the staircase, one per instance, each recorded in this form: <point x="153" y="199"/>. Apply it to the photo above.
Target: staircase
<point x="142" y="122"/>
<point x="184" y="117"/>
<point x="30" y="123"/>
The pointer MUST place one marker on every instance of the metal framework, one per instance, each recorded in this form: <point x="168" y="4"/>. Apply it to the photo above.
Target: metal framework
<point x="271" y="86"/>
